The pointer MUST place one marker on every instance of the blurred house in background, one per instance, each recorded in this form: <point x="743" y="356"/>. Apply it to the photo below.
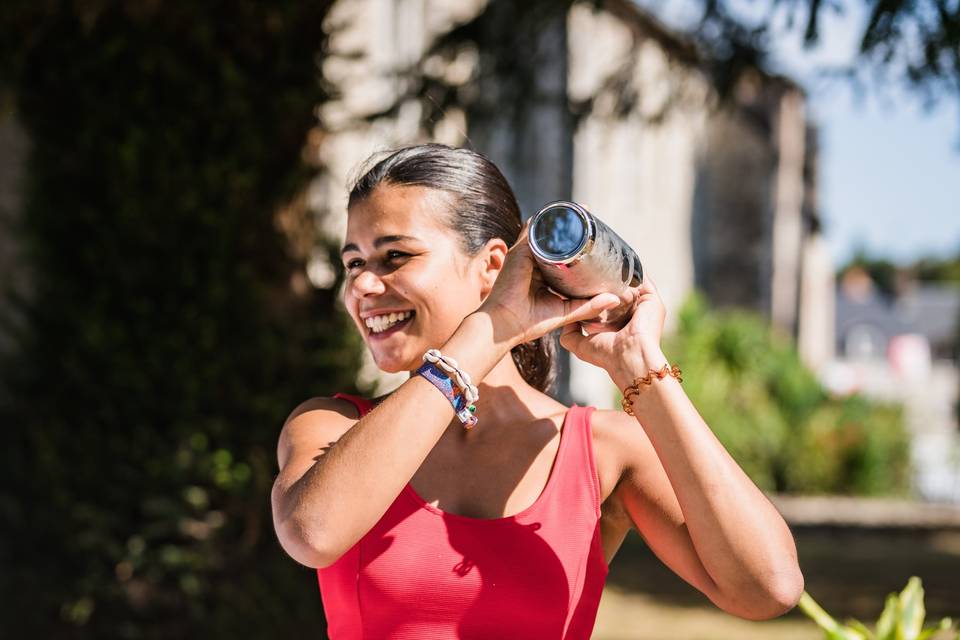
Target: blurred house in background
<point x="904" y="348"/>
<point x="615" y="112"/>
<point x="867" y="321"/>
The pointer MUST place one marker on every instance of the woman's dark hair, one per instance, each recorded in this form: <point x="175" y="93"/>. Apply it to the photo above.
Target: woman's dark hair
<point x="483" y="207"/>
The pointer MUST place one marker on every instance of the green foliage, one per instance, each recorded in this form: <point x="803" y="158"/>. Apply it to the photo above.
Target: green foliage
<point x="902" y="619"/>
<point x="163" y="341"/>
<point x="914" y="43"/>
<point x="774" y="417"/>
<point x="938" y="270"/>
<point x="849" y="445"/>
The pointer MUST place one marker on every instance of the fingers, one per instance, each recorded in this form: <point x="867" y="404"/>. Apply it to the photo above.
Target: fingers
<point x="521" y="253"/>
<point x="522" y="246"/>
<point x="577" y="310"/>
<point x="648" y="284"/>
<point x="522" y="238"/>
<point x="590" y="328"/>
<point x="571" y="337"/>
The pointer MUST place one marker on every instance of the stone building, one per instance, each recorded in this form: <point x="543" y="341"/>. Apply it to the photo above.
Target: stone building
<point x="617" y="114"/>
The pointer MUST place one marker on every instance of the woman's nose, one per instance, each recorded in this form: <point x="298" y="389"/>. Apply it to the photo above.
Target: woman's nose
<point x="368" y="283"/>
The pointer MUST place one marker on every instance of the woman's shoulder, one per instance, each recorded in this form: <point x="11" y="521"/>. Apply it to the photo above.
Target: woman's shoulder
<point x="327" y="405"/>
<point x="616" y="439"/>
<point x="312" y="426"/>
<point x="616" y="432"/>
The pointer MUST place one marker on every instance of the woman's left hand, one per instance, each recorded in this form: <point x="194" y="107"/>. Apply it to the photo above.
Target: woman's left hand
<point x="628" y="351"/>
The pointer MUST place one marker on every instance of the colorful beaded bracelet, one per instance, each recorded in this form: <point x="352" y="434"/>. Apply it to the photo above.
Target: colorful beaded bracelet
<point x="452" y="369"/>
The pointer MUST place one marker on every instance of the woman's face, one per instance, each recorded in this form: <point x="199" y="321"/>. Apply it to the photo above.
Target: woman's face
<point x="409" y="284"/>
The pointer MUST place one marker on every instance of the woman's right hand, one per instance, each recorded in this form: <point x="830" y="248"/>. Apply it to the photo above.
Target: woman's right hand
<point x="524" y="309"/>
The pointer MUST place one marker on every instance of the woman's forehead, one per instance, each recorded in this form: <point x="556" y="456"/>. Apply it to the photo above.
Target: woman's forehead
<point x="412" y="211"/>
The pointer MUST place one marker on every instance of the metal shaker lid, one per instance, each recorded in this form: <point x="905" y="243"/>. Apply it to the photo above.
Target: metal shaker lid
<point x="560" y="232"/>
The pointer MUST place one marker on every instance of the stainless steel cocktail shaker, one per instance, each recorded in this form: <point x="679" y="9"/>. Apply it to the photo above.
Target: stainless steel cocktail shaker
<point x="579" y="257"/>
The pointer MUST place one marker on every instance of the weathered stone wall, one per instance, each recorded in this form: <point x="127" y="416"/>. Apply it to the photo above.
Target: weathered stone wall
<point x="734" y="204"/>
<point x="635" y="162"/>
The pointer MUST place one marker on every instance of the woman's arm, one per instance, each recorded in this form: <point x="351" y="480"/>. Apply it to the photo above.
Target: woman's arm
<point x="682" y="488"/>
<point x="324" y="502"/>
<point x="748" y="555"/>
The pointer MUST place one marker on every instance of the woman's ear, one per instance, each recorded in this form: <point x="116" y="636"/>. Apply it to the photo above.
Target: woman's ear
<point x="493" y="255"/>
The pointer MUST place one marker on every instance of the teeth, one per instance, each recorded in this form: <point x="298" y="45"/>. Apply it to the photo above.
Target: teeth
<point x="384" y="322"/>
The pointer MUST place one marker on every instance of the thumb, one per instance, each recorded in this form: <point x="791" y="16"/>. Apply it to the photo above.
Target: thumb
<point x="522" y="237"/>
<point x="577" y="310"/>
<point x="572" y="337"/>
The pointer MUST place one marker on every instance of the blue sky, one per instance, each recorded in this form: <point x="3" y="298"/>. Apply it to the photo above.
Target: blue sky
<point x="890" y="179"/>
<point x="889" y="170"/>
<point x="889" y="175"/>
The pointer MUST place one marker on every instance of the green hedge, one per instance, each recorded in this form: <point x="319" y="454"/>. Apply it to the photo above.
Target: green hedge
<point x="163" y="343"/>
<point x="774" y="417"/>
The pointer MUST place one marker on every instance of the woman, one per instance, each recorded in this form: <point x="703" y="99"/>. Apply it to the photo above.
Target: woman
<point x="420" y="527"/>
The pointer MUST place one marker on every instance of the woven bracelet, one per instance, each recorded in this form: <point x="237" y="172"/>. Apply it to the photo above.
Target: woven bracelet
<point x="461" y="398"/>
<point x="646" y="381"/>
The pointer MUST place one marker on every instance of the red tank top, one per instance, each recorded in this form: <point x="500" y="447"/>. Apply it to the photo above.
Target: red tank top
<point x="423" y="573"/>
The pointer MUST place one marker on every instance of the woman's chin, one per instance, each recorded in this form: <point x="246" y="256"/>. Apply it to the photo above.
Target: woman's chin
<point x="393" y="364"/>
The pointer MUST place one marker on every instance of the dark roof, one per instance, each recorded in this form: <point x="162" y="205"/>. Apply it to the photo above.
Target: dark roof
<point x="875" y="310"/>
<point x="929" y="310"/>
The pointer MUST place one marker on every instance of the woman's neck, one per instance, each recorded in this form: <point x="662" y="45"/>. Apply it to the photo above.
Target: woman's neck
<point x="506" y="401"/>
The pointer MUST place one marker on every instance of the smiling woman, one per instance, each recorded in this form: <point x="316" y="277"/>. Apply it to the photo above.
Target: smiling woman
<point x="459" y="202"/>
<point x="426" y="274"/>
<point x="421" y="524"/>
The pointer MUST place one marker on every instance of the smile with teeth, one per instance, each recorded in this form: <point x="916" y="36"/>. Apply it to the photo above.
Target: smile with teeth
<point x="384" y="322"/>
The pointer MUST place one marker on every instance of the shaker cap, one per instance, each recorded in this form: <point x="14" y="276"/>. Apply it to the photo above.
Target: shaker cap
<point x="559" y="232"/>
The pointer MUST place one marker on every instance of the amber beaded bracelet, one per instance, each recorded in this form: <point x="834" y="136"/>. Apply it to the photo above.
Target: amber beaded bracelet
<point x="634" y="389"/>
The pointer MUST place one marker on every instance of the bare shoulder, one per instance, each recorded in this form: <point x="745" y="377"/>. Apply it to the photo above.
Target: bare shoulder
<point x="614" y="437"/>
<point x="312" y="427"/>
<point x="322" y="403"/>
<point x="620" y="445"/>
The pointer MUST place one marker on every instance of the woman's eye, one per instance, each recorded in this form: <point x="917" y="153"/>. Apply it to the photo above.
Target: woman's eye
<point x="391" y="255"/>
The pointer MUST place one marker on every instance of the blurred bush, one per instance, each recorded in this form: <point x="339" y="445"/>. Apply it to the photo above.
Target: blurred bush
<point x="773" y="416"/>
<point x="169" y="328"/>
